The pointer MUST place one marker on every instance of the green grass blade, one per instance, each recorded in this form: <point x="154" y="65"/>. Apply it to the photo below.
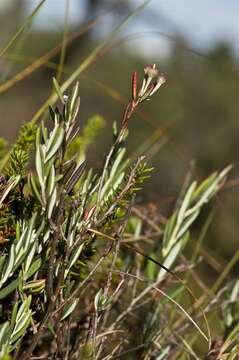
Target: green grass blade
<point x="21" y="29"/>
<point x="64" y="43"/>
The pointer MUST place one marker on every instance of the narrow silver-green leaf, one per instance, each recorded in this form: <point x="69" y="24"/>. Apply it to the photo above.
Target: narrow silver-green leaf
<point x="21" y="327"/>
<point x="28" y="260"/>
<point x="9" y="288"/>
<point x="34" y="188"/>
<point x="172" y="256"/>
<point x="8" y="266"/>
<point x="35" y="266"/>
<point x="56" y="141"/>
<point x="40" y="158"/>
<point x="188" y="222"/>
<point x="51" y="180"/>
<point x="10" y="185"/>
<point x="186" y="203"/>
<point x="69" y="309"/>
<point x="58" y="90"/>
<point x="4" y="329"/>
<point x="74" y="257"/>
<point x="52" y="202"/>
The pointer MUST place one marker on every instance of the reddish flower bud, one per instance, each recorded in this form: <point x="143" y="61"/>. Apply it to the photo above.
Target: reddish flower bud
<point x="134" y="85"/>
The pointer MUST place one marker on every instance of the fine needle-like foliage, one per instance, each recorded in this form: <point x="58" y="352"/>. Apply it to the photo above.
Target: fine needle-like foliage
<point x="78" y="279"/>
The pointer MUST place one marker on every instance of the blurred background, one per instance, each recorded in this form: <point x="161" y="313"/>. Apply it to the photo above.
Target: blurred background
<point x="191" y="127"/>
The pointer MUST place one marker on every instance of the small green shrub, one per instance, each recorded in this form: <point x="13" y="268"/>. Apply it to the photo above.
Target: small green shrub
<point x="74" y="263"/>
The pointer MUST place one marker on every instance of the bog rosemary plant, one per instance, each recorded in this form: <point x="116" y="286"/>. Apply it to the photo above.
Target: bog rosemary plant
<point x="66" y="288"/>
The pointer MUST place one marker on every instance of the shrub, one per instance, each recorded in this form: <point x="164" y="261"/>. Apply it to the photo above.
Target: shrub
<point x="77" y="280"/>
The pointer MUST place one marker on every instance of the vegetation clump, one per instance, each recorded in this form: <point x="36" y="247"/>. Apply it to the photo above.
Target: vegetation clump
<point x="80" y="275"/>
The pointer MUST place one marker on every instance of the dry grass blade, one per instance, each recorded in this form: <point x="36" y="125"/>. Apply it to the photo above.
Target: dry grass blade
<point x="134" y="249"/>
<point x="21" y="29"/>
<point x="88" y="61"/>
<point x="155" y="287"/>
<point x="46" y="57"/>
